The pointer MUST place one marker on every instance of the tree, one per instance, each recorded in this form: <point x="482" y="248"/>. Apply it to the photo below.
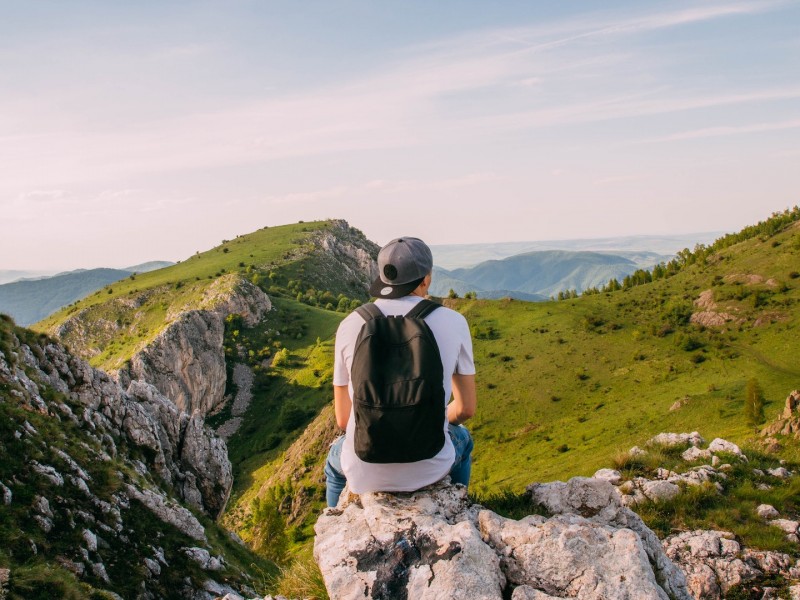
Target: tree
<point x="452" y="294"/>
<point x="269" y="527"/>
<point x="753" y="403"/>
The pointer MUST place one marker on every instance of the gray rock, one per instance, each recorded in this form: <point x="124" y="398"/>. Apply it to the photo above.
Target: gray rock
<point x="44" y="523"/>
<point x="90" y="540"/>
<point x="42" y="506"/>
<point x="779" y="472"/>
<point x="591" y="548"/>
<point x="720" y="445"/>
<point x="613" y="476"/>
<point x="169" y="512"/>
<point x="99" y="571"/>
<point x="767" y="511"/>
<point x="5" y="575"/>
<point x="694" y="453"/>
<point x="152" y="566"/>
<point x="676" y="439"/>
<point x="526" y="592"/>
<point x="788" y="526"/>
<point x="203" y="558"/>
<point x="5" y="493"/>
<point x="711" y="567"/>
<point x="48" y="473"/>
<point x="423" y="545"/>
<point x="659" y="491"/>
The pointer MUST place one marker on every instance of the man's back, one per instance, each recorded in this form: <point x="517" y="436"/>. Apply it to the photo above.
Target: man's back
<point x="453" y="338"/>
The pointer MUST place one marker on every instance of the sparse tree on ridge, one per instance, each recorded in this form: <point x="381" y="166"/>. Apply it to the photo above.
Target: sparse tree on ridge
<point x="753" y="403"/>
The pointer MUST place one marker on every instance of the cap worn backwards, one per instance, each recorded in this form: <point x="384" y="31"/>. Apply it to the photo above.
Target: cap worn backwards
<point x="402" y="265"/>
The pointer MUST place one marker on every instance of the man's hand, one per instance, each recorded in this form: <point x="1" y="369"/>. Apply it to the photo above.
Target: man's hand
<point x="464" y="401"/>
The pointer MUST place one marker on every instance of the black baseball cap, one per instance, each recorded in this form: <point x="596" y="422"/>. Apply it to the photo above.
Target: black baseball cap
<point x="402" y="265"/>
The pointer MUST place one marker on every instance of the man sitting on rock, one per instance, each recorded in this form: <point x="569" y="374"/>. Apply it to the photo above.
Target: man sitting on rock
<point x="400" y="433"/>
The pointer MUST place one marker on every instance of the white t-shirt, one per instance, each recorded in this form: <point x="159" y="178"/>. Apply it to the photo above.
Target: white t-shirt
<point x="455" y="346"/>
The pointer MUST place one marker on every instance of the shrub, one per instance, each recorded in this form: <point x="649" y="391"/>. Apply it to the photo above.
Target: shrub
<point x="753" y="403"/>
<point x="281" y="358"/>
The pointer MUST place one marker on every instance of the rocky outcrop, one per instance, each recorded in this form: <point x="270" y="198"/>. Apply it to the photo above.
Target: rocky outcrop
<point x="709" y="316"/>
<point x="788" y="423"/>
<point x="91" y="480"/>
<point x="180" y="449"/>
<point x="354" y="254"/>
<point x="434" y="544"/>
<point x="186" y="361"/>
<point x="715" y="562"/>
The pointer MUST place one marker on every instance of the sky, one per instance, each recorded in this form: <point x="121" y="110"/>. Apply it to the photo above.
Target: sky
<point x="136" y="131"/>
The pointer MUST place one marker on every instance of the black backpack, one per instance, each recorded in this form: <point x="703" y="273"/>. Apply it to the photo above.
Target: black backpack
<point x="398" y="389"/>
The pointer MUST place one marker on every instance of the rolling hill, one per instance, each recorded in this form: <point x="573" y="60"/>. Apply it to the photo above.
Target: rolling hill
<point x="564" y="386"/>
<point x="539" y="275"/>
<point x="29" y="300"/>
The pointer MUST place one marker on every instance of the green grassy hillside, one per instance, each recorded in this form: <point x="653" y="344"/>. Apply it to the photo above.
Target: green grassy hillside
<point x="567" y="387"/>
<point x="124" y="317"/>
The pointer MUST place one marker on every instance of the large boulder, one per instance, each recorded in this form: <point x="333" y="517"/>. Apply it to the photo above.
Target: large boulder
<point x="434" y="543"/>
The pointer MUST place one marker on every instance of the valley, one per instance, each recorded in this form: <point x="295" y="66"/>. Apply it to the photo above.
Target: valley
<point x="565" y="387"/>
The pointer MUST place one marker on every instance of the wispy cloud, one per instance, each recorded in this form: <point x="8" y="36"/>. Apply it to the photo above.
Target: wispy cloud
<point x="383" y="187"/>
<point x="525" y="72"/>
<point x="727" y="130"/>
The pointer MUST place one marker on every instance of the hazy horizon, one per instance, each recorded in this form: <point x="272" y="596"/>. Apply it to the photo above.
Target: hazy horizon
<point x="138" y="132"/>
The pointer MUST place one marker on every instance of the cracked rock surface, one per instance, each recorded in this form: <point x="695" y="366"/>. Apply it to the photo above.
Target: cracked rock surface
<point x="433" y="544"/>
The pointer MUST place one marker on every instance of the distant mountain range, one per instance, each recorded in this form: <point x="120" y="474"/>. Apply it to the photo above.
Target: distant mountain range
<point x="31" y="299"/>
<point x="466" y="255"/>
<point x="538" y="275"/>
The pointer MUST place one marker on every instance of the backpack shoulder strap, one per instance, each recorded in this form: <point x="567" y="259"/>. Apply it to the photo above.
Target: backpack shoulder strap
<point x="422" y="309"/>
<point x="369" y="311"/>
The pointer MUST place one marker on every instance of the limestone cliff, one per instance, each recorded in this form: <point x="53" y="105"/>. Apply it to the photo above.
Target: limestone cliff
<point x="176" y="446"/>
<point x="186" y="362"/>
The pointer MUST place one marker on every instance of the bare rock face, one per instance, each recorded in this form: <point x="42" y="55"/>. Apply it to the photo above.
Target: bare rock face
<point x="186" y="361"/>
<point x="423" y="546"/>
<point x="356" y="256"/>
<point x="434" y="544"/>
<point x="181" y="450"/>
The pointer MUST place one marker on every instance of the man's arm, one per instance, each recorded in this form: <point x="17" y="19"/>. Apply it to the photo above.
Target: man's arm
<point x="341" y="405"/>
<point x="465" y="399"/>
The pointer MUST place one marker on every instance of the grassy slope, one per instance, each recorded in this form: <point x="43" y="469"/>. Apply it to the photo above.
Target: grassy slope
<point x="166" y="292"/>
<point x="592" y="374"/>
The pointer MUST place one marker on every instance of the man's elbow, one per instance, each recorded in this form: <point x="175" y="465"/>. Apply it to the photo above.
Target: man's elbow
<point x="466" y="412"/>
<point x="341" y="422"/>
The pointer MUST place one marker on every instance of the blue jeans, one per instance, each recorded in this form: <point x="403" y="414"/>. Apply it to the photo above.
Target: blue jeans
<point x="459" y="472"/>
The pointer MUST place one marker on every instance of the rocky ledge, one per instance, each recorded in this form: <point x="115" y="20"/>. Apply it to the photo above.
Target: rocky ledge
<point x="434" y="544"/>
<point x="179" y="448"/>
